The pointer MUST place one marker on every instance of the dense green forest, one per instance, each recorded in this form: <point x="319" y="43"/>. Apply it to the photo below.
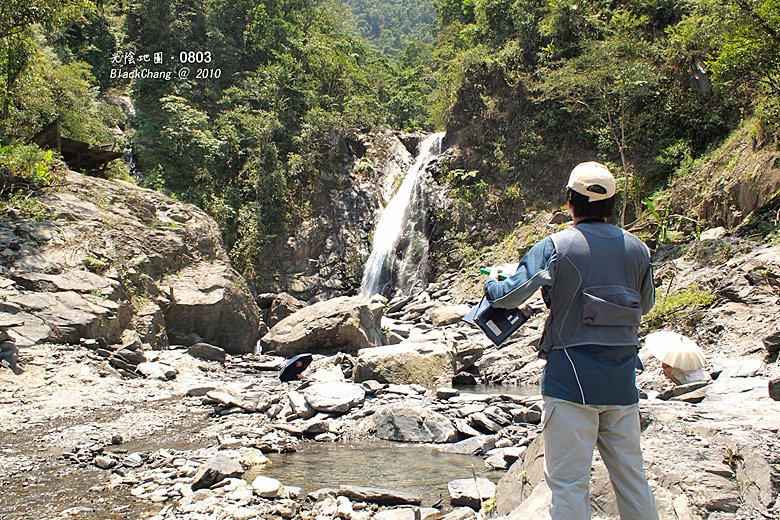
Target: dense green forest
<point x="646" y="86"/>
<point x="393" y="26"/>
<point x="523" y="87"/>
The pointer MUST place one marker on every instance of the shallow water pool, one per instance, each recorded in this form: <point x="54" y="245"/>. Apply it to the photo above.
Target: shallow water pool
<point x="411" y="468"/>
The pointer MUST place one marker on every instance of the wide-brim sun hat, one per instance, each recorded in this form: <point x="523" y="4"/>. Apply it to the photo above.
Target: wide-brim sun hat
<point x="593" y="180"/>
<point x="675" y="350"/>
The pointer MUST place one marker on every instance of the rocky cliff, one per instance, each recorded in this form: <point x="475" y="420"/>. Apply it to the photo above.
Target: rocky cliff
<point x="106" y="257"/>
<point x="726" y="187"/>
<point x="324" y="255"/>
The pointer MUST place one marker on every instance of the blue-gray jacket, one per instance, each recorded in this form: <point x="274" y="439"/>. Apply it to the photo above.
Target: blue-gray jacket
<point x="597" y="280"/>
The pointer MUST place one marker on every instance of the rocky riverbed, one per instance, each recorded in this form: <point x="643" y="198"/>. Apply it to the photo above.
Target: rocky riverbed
<point x="83" y="440"/>
<point x="130" y="385"/>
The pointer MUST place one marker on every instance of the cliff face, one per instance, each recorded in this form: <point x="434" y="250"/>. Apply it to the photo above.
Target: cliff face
<point x="727" y="185"/>
<point x="324" y="255"/>
<point x="110" y="256"/>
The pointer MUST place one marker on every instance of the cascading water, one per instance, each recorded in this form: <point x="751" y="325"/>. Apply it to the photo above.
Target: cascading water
<point x="399" y="249"/>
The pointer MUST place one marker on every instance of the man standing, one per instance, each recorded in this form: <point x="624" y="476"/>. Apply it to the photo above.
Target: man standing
<point x="597" y="281"/>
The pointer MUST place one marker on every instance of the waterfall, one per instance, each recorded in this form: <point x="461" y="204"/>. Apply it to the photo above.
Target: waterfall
<point x="400" y="247"/>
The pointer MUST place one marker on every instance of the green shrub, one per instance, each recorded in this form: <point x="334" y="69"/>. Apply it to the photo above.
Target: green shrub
<point x="682" y="303"/>
<point x="25" y="170"/>
<point x="96" y="264"/>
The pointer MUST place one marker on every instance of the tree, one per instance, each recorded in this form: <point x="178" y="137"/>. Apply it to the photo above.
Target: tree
<point x="17" y="19"/>
<point x="613" y="80"/>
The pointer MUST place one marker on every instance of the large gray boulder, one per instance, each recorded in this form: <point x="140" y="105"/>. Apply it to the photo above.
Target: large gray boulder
<point x="344" y="324"/>
<point x="335" y="397"/>
<point x="521" y="479"/>
<point x="207" y="352"/>
<point x="428" y="363"/>
<point x="64" y="316"/>
<point x="267" y="487"/>
<point x="406" y="423"/>
<point x="282" y="305"/>
<point x="216" y="469"/>
<point x="213" y="301"/>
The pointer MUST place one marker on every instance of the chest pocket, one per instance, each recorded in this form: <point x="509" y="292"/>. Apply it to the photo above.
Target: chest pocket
<point x="611" y="306"/>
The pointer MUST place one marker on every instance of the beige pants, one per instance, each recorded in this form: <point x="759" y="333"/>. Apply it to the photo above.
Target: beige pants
<point x="570" y="433"/>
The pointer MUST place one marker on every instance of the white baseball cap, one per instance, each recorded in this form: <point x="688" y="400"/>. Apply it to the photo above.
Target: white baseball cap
<point x="593" y="180"/>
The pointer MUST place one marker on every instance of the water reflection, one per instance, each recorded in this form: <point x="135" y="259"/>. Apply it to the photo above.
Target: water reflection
<point x="523" y="390"/>
<point x="411" y="468"/>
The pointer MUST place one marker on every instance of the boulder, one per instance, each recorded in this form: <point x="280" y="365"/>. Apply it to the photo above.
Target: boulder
<point x="207" y="352"/>
<point x="335" y="397"/>
<point x="478" y="445"/>
<point x="445" y="393"/>
<point x="404" y="423"/>
<point x="774" y="389"/>
<point x="65" y="317"/>
<point x="521" y="479"/>
<point x="216" y="469"/>
<point x="331" y="368"/>
<point x="267" y="487"/>
<point x="77" y="279"/>
<point x="471" y="492"/>
<point x="300" y="406"/>
<point x="530" y="415"/>
<point x="344" y="324"/>
<point x="537" y="505"/>
<point x="105" y="462"/>
<point x="426" y="363"/>
<point x="154" y="370"/>
<point x="466" y="355"/>
<point x="281" y="306"/>
<point x="447" y="314"/>
<point x="481" y="422"/>
<point x="81" y="281"/>
<point x="214" y="302"/>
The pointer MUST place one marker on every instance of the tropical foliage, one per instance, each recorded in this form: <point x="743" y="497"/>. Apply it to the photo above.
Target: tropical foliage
<point x="532" y="86"/>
